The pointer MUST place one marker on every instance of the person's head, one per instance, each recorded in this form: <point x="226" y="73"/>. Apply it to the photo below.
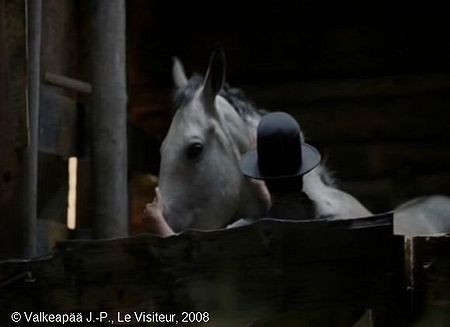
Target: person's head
<point x="281" y="156"/>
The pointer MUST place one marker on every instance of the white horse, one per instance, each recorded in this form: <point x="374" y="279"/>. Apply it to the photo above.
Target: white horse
<point x="200" y="179"/>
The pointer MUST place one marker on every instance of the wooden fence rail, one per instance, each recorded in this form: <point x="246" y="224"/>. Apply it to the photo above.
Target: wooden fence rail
<point x="272" y="273"/>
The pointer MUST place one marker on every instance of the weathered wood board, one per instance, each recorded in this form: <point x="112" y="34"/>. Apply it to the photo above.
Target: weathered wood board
<point x="60" y="126"/>
<point x="271" y="273"/>
<point x="13" y="122"/>
<point x="431" y="273"/>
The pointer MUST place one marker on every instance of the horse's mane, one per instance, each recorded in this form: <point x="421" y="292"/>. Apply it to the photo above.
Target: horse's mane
<point x="245" y="107"/>
<point x="240" y="102"/>
<point x="236" y="97"/>
<point x="327" y="176"/>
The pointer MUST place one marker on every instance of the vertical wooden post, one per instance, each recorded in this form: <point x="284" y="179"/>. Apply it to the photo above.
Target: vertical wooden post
<point x="30" y="162"/>
<point x="109" y="137"/>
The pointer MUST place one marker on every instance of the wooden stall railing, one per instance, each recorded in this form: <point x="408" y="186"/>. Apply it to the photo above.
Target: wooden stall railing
<point x="271" y="273"/>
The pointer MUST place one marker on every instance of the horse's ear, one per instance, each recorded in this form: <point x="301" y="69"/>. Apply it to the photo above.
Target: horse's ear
<point x="215" y="75"/>
<point x="178" y="73"/>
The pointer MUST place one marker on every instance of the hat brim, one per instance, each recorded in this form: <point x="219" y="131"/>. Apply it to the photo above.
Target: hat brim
<point x="310" y="159"/>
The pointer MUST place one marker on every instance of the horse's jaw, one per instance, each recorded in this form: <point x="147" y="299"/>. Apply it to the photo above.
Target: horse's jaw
<point x="190" y="219"/>
<point x="177" y="219"/>
<point x="204" y="209"/>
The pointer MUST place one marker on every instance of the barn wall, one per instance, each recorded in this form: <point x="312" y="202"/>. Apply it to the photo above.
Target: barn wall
<point x="368" y="86"/>
<point x="62" y="47"/>
<point x="385" y="145"/>
<point x="13" y="131"/>
<point x="59" y="56"/>
<point x="367" y="82"/>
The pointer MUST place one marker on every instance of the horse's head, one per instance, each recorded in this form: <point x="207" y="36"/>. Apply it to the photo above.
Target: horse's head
<point x="200" y="180"/>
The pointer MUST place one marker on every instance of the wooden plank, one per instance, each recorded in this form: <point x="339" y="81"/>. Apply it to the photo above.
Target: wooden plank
<point x="272" y="272"/>
<point x="68" y="83"/>
<point x="431" y="272"/>
<point x="52" y="202"/>
<point x="13" y="70"/>
<point x="383" y="160"/>
<point x="13" y="127"/>
<point x="384" y="86"/>
<point x="413" y="118"/>
<point x="60" y="122"/>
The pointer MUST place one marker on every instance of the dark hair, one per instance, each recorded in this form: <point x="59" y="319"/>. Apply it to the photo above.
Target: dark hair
<point x="285" y="185"/>
<point x="236" y="97"/>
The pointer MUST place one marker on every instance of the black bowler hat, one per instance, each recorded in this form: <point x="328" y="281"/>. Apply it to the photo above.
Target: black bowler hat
<point x="280" y="152"/>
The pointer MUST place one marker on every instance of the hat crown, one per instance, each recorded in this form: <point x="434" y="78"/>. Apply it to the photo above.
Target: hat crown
<point x="279" y="145"/>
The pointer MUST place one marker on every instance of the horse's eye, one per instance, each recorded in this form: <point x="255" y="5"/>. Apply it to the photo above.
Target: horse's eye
<point x="194" y="150"/>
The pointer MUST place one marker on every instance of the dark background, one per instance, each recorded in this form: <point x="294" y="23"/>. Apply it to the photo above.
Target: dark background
<point x="368" y="81"/>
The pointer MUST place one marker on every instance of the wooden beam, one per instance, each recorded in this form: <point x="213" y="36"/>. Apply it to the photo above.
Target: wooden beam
<point x="431" y="284"/>
<point x="68" y="83"/>
<point x="399" y="85"/>
<point x="109" y="135"/>
<point x="30" y="171"/>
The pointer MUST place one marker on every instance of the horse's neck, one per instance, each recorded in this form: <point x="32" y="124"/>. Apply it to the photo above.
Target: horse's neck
<point x="240" y="130"/>
<point x="329" y="201"/>
<point x="254" y="199"/>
